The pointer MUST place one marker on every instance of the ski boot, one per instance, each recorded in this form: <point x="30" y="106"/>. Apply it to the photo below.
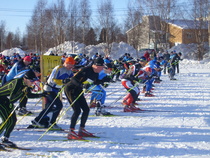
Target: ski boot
<point x="72" y="135"/>
<point x="23" y="111"/>
<point x="7" y="143"/>
<point x="83" y="133"/>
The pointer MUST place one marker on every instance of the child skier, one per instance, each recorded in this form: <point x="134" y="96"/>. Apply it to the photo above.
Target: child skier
<point x="128" y="81"/>
<point x="98" y="93"/>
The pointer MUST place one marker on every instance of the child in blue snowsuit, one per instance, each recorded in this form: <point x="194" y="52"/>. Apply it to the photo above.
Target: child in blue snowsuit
<point x="98" y="93"/>
<point x="148" y="81"/>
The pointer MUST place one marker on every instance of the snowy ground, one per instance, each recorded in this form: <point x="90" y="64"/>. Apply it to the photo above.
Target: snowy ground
<point x="180" y="126"/>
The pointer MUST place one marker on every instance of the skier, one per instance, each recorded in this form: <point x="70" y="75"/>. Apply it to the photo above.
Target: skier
<point x="16" y="68"/>
<point x="116" y="68"/>
<point x="172" y="64"/>
<point x="128" y="81"/>
<point x="148" y="81"/>
<point x="166" y="57"/>
<point x="60" y="75"/>
<point x="98" y="95"/>
<point x="19" y="66"/>
<point x="75" y="94"/>
<point x="23" y="101"/>
<point x="15" y="90"/>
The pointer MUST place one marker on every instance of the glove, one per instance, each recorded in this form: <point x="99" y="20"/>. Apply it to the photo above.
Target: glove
<point x="97" y="82"/>
<point x="66" y="80"/>
<point x="45" y="93"/>
<point x="86" y="86"/>
<point x="140" y="80"/>
<point x="27" y="90"/>
<point x="105" y="85"/>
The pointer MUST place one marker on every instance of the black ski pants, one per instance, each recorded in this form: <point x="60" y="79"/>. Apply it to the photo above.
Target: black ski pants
<point x="53" y="104"/>
<point x="72" y="94"/>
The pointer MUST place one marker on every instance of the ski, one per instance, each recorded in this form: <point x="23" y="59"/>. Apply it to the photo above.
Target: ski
<point x="25" y="115"/>
<point x="7" y="150"/>
<point x="40" y="129"/>
<point x="37" y="155"/>
<point x="84" y="140"/>
<point x="5" y="147"/>
<point x="104" y="115"/>
<point x="144" y="111"/>
<point x="18" y="148"/>
<point x="88" y="140"/>
<point x="2" y="148"/>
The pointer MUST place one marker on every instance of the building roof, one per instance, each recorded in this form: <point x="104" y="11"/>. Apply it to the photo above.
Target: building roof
<point x="188" y="24"/>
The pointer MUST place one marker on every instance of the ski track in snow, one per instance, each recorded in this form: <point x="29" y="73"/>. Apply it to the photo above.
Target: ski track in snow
<point x="180" y="126"/>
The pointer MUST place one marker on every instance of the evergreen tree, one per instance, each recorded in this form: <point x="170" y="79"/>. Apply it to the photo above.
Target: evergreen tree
<point x="90" y="38"/>
<point x="102" y="37"/>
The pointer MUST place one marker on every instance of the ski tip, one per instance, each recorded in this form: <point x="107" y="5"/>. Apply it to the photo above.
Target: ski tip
<point x="7" y="150"/>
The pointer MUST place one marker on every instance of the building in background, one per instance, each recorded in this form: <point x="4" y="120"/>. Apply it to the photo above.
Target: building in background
<point x="153" y="33"/>
<point x="187" y="31"/>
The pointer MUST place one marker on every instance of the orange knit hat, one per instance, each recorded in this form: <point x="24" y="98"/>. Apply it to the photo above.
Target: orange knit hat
<point x="70" y="60"/>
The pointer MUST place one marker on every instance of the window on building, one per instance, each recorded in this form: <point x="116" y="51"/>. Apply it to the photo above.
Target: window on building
<point x="189" y="35"/>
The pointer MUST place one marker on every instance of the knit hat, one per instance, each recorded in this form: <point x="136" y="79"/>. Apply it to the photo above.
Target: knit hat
<point x="98" y="62"/>
<point x="143" y="59"/>
<point x="30" y="75"/>
<point x="70" y="60"/>
<point x="27" y="58"/>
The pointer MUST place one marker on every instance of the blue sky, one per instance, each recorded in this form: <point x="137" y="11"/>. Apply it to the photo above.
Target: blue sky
<point x="17" y="13"/>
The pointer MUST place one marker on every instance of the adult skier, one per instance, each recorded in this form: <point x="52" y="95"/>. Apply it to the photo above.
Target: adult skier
<point x="75" y="94"/>
<point x="11" y="92"/>
<point x="60" y="75"/>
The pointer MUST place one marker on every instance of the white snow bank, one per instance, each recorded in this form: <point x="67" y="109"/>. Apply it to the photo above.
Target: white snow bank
<point x="10" y="52"/>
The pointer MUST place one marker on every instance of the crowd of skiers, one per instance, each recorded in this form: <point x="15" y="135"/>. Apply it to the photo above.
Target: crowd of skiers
<point x="75" y="77"/>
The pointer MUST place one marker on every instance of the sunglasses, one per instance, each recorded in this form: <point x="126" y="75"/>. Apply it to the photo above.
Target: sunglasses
<point x="32" y="80"/>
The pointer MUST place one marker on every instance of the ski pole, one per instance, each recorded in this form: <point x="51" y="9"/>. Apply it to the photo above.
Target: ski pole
<point x="52" y="102"/>
<point x="26" y="113"/>
<point x="62" y="114"/>
<point x="2" y="125"/>
<point x="114" y="91"/>
<point x="117" y="99"/>
<point x="68" y="102"/>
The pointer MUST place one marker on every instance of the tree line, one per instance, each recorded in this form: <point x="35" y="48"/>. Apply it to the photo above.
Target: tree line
<point x="54" y="23"/>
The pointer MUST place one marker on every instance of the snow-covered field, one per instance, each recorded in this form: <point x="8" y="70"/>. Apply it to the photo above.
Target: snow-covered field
<point x="179" y="127"/>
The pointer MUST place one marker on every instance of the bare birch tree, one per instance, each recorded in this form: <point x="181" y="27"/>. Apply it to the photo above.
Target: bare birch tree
<point x="106" y="20"/>
<point x="133" y="20"/>
<point x="72" y="21"/>
<point x="2" y="35"/>
<point x="84" y="17"/>
<point x="9" y="40"/>
<point x="200" y="13"/>
<point x="59" y="22"/>
<point x="35" y="28"/>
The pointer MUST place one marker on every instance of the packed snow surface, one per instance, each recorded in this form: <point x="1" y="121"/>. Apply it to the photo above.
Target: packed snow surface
<point x="178" y="124"/>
